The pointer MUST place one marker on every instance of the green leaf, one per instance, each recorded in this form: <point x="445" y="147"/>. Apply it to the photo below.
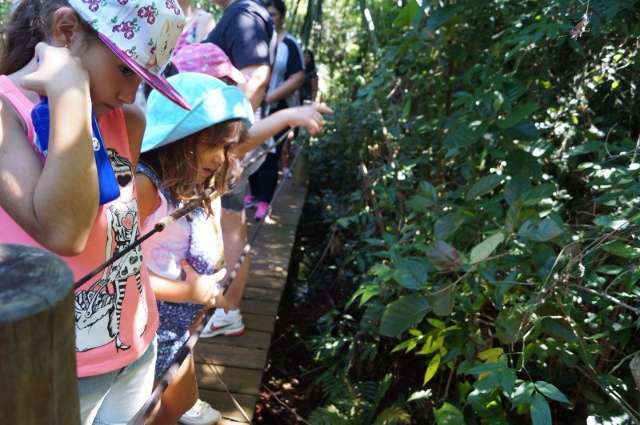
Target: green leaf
<point x="508" y="326"/>
<point x="432" y="369"/>
<point x="440" y="16"/>
<point x="484" y="367"/>
<point x="403" y="314"/>
<point x="448" y="414"/>
<point x="443" y="256"/>
<point x="522" y="394"/>
<point x="518" y="114"/>
<point x="419" y="203"/>
<point x="552" y="392"/>
<point x="447" y="225"/>
<point x="622" y="250"/>
<point x="541" y="231"/>
<point x="483" y="186"/>
<point x="558" y="329"/>
<point x="484" y="249"/>
<point x="540" y="412"/>
<point x="442" y="299"/>
<point x="411" y="273"/>
<point x="407" y="14"/>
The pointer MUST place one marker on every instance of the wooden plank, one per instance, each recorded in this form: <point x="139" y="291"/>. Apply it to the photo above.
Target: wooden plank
<point x="261" y="294"/>
<point x="265" y="308"/>
<point x="267" y="270"/>
<point x="260" y="278"/>
<point x="242" y="381"/>
<point x="250" y="339"/>
<point x="221" y="401"/>
<point x="254" y="322"/>
<point x="227" y="355"/>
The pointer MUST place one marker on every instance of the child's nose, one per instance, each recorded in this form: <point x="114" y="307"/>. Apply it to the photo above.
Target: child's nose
<point x="128" y="91"/>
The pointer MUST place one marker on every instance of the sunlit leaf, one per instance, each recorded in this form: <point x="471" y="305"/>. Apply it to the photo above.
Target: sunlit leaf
<point x="484" y="249"/>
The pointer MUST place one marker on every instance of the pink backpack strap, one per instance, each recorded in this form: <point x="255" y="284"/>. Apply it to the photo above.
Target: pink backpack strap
<point x="23" y="107"/>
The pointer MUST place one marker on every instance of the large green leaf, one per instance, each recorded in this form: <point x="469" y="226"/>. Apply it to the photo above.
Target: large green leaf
<point x="622" y="250"/>
<point x="441" y="300"/>
<point x="484" y="249"/>
<point x="483" y="186"/>
<point x="402" y="314"/>
<point x="440" y="16"/>
<point x="540" y="231"/>
<point x="448" y="414"/>
<point x="518" y="114"/>
<point x="540" y="412"/>
<point x="552" y="392"/>
<point x="447" y="225"/>
<point x="411" y="273"/>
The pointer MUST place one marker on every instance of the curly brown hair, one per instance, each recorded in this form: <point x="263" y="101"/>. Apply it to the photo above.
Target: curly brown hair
<point x="177" y="163"/>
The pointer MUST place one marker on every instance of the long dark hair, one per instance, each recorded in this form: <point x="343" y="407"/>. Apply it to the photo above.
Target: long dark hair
<point x="29" y="24"/>
<point x="176" y="163"/>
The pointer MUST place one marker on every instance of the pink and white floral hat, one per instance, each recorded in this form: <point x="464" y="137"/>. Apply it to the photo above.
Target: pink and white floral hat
<point x="207" y="58"/>
<point x="142" y="33"/>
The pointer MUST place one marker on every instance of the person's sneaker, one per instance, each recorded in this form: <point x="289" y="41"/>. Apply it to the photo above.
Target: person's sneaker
<point x="222" y="323"/>
<point x="262" y="209"/>
<point x="249" y="201"/>
<point x="200" y="413"/>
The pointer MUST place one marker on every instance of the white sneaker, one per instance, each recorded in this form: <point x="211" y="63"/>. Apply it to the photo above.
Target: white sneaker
<point x="222" y="323"/>
<point x="200" y="413"/>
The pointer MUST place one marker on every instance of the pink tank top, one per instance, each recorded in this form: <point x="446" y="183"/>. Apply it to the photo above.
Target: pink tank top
<point x="116" y="313"/>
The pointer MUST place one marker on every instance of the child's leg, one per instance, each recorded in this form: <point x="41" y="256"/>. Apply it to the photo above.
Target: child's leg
<point x="179" y="396"/>
<point x="93" y="390"/>
<point x="129" y="391"/>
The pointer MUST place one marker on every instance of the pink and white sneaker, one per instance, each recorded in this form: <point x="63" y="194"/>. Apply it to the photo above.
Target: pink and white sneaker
<point x="221" y="323"/>
<point x="262" y="210"/>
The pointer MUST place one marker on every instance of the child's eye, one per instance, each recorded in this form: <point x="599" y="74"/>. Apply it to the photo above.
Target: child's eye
<point x="126" y="71"/>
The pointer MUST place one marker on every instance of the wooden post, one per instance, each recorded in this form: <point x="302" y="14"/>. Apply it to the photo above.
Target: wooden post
<point x="38" y="383"/>
<point x="301" y="170"/>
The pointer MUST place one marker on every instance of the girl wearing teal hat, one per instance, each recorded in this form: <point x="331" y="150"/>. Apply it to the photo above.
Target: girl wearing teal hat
<point x="183" y="153"/>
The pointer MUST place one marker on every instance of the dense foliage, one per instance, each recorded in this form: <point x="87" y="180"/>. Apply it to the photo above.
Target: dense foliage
<point x="481" y="186"/>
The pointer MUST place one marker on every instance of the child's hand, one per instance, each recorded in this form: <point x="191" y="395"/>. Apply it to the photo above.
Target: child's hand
<point x="309" y="117"/>
<point x="57" y="71"/>
<point x="204" y="288"/>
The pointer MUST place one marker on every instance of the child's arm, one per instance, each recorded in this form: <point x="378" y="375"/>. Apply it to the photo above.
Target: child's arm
<point x="135" y="120"/>
<point x="196" y="289"/>
<point x="56" y="203"/>
<point x="147" y="197"/>
<point x="308" y="116"/>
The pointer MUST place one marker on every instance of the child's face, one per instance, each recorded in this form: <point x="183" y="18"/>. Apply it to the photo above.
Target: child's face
<point x="210" y="159"/>
<point x="112" y="82"/>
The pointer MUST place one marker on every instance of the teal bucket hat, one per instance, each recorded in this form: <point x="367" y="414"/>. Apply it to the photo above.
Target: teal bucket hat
<point x="212" y="102"/>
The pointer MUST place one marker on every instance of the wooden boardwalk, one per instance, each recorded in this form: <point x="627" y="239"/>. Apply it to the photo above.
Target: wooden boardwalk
<point x="233" y="366"/>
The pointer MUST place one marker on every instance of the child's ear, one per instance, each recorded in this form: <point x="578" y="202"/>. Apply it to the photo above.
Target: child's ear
<point x="66" y="27"/>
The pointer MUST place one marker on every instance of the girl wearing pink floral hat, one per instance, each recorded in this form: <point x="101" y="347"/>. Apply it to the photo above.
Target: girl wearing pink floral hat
<point x="87" y="57"/>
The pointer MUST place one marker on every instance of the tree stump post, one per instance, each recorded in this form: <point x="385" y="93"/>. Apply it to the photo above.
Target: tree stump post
<point x="38" y="383"/>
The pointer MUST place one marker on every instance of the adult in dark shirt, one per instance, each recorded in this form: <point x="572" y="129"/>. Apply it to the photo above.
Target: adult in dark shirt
<point x="246" y="34"/>
<point x="286" y="78"/>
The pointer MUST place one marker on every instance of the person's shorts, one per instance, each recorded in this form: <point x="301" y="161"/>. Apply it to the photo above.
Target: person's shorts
<point x="234" y="199"/>
<point x="115" y="397"/>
